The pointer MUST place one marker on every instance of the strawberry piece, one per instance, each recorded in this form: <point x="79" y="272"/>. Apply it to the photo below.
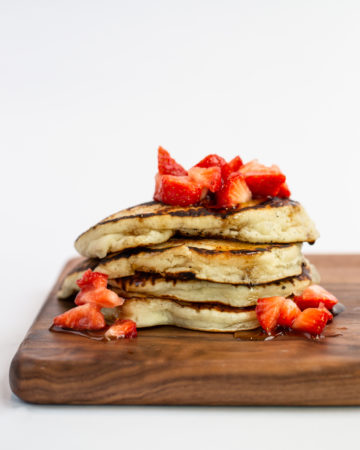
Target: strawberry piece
<point x="284" y="191"/>
<point x="288" y="313"/>
<point x="102" y="297"/>
<point x="234" y="191"/>
<point x="235" y="164"/>
<point x="93" y="290"/>
<point x="122" y="328"/>
<point x="311" y="320"/>
<point x="313" y="296"/>
<point x="231" y="167"/>
<point x="84" y="317"/>
<point x="268" y="312"/>
<point x="328" y="313"/>
<point x="211" y="161"/>
<point x="206" y="177"/>
<point x="217" y="161"/>
<point x="177" y="190"/>
<point x="263" y="181"/>
<point x="167" y="165"/>
<point x="92" y="279"/>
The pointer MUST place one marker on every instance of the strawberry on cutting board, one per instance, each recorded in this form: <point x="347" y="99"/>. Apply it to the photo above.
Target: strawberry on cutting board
<point x="313" y="296"/>
<point x="268" y="312"/>
<point x="93" y="290"/>
<point x="122" y="328"/>
<point x="288" y="313"/>
<point x="84" y="317"/>
<point x="311" y="320"/>
<point x="92" y="279"/>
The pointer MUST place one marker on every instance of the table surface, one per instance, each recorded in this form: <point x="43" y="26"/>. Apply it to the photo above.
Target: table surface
<point x="77" y="426"/>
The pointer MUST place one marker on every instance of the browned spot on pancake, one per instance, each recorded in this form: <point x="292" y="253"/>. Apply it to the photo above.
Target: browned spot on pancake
<point x="84" y="265"/>
<point x="199" y="306"/>
<point x="199" y="211"/>
<point x="141" y="278"/>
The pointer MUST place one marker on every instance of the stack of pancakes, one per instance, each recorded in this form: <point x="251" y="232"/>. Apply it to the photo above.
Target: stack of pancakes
<point x="195" y="267"/>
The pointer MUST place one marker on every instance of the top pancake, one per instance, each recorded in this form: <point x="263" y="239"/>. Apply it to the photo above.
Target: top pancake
<point x="272" y="220"/>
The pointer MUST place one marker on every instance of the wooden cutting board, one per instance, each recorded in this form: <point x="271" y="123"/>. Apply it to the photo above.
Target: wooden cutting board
<point x="171" y="366"/>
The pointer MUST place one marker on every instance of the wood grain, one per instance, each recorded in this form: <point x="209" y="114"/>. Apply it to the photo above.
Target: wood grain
<point x="167" y="365"/>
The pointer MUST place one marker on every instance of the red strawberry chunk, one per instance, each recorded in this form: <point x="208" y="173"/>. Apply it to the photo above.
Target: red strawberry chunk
<point x="211" y="161"/>
<point x="234" y="191"/>
<point x="328" y="313"/>
<point x="167" y="165"/>
<point x="235" y="164"/>
<point x="288" y="313"/>
<point x="102" y="297"/>
<point x="122" y="328"/>
<point x="263" y="181"/>
<point x="92" y="279"/>
<point x="268" y="312"/>
<point x="84" y="317"/>
<point x="209" y="177"/>
<point x="311" y="320"/>
<point x="177" y="190"/>
<point x="284" y="191"/>
<point x="313" y="296"/>
<point x="231" y="167"/>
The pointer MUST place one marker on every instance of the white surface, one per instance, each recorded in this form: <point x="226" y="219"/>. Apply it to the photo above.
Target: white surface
<point x="88" y="90"/>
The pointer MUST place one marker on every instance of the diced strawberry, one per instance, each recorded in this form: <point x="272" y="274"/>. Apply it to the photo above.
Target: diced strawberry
<point x="288" y="313"/>
<point x="235" y="164"/>
<point x="217" y="161"/>
<point x="329" y="315"/>
<point x="177" y="190"/>
<point x="92" y="279"/>
<point x="206" y="177"/>
<point x="93" y="290"/>
<point x="231" y="167"/>
<point x="311" y="320"/>
<point x="84" y="317"/>
<point x="234" y="191"/>
<point x="313" y="296"/>
<point x="105" y="298"/>
<point x="211" y="161"/>
<point x="268" y="312"/>
<point x="284" y="191"/>
<point x="263" y="181"/>
<point x="122" y="328"/>
<point x="167" y="165"/>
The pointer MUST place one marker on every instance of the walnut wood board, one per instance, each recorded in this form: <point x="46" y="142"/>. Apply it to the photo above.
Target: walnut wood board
<point x="172" y="366"/>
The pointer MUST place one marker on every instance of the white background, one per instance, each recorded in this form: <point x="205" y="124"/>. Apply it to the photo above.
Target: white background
<point x="89" y="89"/>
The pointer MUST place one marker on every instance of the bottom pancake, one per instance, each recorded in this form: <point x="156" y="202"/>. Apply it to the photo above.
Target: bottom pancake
<point x="150" y="312"/>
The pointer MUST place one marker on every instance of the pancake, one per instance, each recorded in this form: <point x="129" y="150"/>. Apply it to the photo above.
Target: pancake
<point x="150" y="312"/>
<point x="272" y="220"/>
<point x="221" y="261"/>
<point x="150" y="285"/>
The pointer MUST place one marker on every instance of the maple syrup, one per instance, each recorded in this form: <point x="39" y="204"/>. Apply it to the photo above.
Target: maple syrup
<point x="94" y="335"/>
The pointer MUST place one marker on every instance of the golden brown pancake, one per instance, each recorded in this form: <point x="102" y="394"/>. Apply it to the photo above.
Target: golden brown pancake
<point x="192" y="290"/>
<point x="271" y="220"/>
<point x="150" y="312"/>
<point x="221" y="261"/>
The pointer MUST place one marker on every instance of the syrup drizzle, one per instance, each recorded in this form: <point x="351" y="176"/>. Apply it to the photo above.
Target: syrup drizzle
<point x="94" y="335"/>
